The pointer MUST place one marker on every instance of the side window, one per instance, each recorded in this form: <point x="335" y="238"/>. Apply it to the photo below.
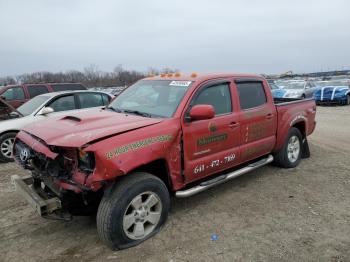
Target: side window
<point x="218" y="96"/>
<point x="14" y="93"/>
<point x="251" y="94"/>
<point x="90" y="100"/>
<point x="35" y="90"/>
<point x="105" y="99"/>
<point x="65" y="87"/>
<point x="63" y="103"/>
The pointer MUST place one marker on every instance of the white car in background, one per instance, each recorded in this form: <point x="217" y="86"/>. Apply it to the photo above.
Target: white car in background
<point x="43" y="106"/>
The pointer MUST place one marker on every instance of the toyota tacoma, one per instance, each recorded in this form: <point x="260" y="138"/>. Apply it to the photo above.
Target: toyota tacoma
<point x="168" y="135"/>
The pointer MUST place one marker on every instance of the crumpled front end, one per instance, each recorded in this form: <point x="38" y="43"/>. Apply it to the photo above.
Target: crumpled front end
<point x="55" y="163"/>
<point x="57" y="173"/>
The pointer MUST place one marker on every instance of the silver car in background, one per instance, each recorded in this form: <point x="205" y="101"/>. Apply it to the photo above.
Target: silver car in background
<point x="41" y="107"/>
<point x="296" y="89"/>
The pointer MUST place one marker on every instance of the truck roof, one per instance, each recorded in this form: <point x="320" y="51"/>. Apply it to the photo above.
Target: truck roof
<point x="199" y="76"/>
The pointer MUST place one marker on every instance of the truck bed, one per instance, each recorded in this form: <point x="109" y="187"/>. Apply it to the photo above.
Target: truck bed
<point x="282" y="101"/>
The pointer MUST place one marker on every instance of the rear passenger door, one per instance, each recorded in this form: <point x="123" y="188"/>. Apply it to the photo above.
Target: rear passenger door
<point x="258" y="119"/>
<point x="211" y="145"/>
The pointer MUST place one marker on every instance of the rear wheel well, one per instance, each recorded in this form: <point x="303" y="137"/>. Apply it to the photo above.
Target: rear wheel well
<point x="301" y="127"/>
<point x="158" y="168"/>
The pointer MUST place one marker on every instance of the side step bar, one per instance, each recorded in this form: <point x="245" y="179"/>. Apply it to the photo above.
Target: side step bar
<point x="223" y="178"/>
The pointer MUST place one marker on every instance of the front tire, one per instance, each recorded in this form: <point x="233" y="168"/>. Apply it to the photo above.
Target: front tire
<point x="290" y="154"/>
<point x="6" y="145"/>
<point x="133" y="211"/>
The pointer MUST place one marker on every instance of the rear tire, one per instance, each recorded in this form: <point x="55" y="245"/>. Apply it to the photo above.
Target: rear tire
<point x="133" y="211"/>
<point x="6" y="145"/>
<point x="290" y="154"/>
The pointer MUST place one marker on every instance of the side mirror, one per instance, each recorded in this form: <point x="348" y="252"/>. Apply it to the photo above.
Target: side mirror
<point x="45" y="110"/>
<point x="3" y="97"/>
<point x="201" y="112"/>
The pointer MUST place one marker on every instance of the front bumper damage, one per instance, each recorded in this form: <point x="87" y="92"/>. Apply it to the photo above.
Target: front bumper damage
<point x="40" y="197"/>
<point x="52" y="188"/>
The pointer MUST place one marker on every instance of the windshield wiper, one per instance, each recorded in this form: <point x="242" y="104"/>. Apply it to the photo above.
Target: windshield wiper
<point x="129" y="111"/>
<point x="114" y="109"/>
<point x="136" y="112"/>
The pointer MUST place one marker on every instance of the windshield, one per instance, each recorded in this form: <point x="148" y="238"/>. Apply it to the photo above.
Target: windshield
<point x="333" y="83"/>
<point x="33" y="104"/>
<point x="158" y="98"/>
<point x="292" y="85"/>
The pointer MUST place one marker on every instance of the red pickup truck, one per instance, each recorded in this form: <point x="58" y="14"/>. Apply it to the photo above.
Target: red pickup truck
<point x="166" y="135"/>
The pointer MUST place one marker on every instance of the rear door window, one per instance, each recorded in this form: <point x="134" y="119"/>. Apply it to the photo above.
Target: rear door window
<point x="65" y="87"/>
<point x="63" y="103"/>
<point x="35" y="90"/>
<point x="14" y="93"/>
<point x="90" y="100"/>
<point x="251" y="94"/>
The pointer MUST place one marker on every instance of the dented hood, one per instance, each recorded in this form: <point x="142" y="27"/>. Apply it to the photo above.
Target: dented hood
<point x="77" y="129"/>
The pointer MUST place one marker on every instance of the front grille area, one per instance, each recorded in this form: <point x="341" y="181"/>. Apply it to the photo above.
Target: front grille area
<point x="60" y="167"/>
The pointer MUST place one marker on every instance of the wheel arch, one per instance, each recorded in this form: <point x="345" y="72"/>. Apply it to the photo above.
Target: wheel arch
<point x="9" y="131"/>
<point x="159" y="168"/>
<point x="301" y="125"/>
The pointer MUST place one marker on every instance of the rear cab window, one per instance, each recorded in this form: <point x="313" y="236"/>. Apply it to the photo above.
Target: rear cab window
<point x="251" y="94"/>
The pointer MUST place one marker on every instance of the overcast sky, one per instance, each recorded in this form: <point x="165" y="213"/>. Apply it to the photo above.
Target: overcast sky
<point x="271" y="36"/>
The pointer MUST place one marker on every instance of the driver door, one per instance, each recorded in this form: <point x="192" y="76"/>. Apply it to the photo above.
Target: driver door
<point x="211" y="145"/>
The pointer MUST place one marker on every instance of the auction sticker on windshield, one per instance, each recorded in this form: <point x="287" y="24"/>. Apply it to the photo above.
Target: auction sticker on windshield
<point x="180" y="83"/>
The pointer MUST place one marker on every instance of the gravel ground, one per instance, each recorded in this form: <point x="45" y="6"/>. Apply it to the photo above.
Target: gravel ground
<point x="271" y="214"/>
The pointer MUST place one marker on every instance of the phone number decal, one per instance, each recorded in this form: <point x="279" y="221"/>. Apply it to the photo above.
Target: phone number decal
<point x="214" y="163"/>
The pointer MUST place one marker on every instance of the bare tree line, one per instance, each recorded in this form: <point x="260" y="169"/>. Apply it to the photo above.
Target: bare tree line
<point x="91" y="76"/>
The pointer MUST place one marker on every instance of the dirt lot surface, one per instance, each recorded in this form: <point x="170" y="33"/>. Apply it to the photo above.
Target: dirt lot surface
<point x="271" y="214"/>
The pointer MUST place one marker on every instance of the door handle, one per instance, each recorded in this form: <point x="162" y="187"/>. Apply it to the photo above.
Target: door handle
<point x="233" y="124"/>
<point x="269" y="116"/>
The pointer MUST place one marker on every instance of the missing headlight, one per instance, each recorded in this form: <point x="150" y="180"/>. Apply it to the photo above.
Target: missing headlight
<point x="86" y="161"/>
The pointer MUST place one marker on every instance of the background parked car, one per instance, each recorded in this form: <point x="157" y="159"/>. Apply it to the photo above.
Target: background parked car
<point x="333" y="92"/>
<point x="295" y="89"/>
<point x="42" y="106"/>
<point x="274" y="88"/>
<point x="17" y="95"/>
